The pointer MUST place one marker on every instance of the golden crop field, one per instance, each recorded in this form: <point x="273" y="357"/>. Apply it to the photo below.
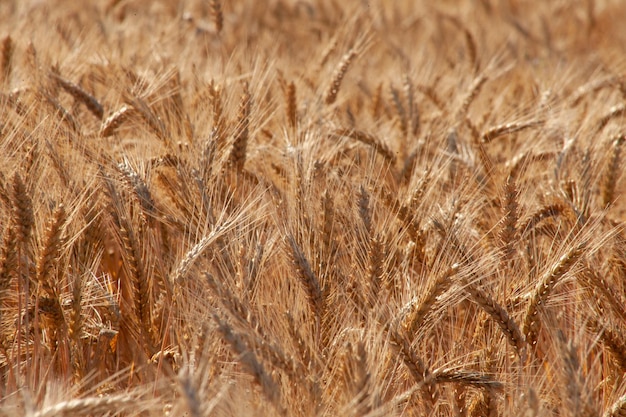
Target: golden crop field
<point x="312" y="208"/>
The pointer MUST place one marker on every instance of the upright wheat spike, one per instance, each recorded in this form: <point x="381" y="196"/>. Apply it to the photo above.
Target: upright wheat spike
<point x="8" y="258"/>
<point x="51" y="249"/>
<point x="22" y="208"/>
<point x="508" y="230"/>
<point x="292" y="110"/>
<point x="307" y="279"/>
<point x="375" y="269"/>
<point x="6" y="65"/>
<point x="400" y="110"/>
<point x="337" y="78"/>
<point x="612" y="171"/>
<point x="217" y="15"/>
<point x="240" y="144"/>
<point x="364" y="209"/>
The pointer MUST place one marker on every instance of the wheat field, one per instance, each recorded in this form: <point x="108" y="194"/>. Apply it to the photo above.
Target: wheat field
<point x="312" y="208"/>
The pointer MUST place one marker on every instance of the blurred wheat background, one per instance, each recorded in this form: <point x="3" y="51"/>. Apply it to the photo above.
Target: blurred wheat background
<point x="312" y="208"/>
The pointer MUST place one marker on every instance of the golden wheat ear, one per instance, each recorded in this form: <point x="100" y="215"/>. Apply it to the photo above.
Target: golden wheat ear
<point x="6" y="59"/>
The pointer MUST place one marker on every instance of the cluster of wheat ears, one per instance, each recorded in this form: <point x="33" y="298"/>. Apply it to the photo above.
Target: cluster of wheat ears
<point x="305" y="208"/>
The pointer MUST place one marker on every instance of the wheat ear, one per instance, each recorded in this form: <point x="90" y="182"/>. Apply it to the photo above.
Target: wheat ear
<point x="365" y="211"/>
<point x="6" y="65"/>
<point x="337" y="78"/>
<point x="508" y="231"/>
<point x="240" y="144"/>
<point x="217" y="15"/>
<point x="250" y="362"/>
<point x="475" y="88"/>
<point x="79" y="94"/>
<point x="292" y="105"/>
<point x="378" y="145"/>
<point x="499" y="314"/>
<point x="614" y="112"/>
<point x="532" y="322"/>
<point x="594" y="86"/>
<point x="307" y="279"/>
<point x="89" y="406"/>
<point x="508" y="128"/>
<point x="612" y="171"/>
<point x="48" y="256"/>
<point x="416" y="311"/>
<point x="22" y="208"/>
<point x="114" y="121"/>
<point x="400" y="110"/>
<point x="140" y="188"/>
<point x="614" y="340"/>
<point x="617" y="409"/>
